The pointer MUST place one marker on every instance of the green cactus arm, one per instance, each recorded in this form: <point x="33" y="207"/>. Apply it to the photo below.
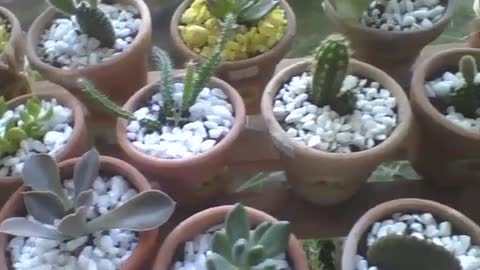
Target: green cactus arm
<point x="188" y="87"/>
<point x="469" y="69"/>
<point x="96" y="24"/>
<point x="466" y="100"/>
<point x="164" y="65"/>
<point x="63" y="6"/>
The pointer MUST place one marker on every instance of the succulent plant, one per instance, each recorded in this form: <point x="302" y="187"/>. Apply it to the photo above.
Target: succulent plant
<point x="238" y="247"/>
<point x="466" y="99"/>
<point x="4" y="33"/>
<point x="329" y="68"/>
<point x="47" y="202"/>
<point x="91" y="19"/>
<point x="320" y="253"/>
<point x="196" y="78"/>
<point x="396" y="252"/>
<point x="245" y="11"/>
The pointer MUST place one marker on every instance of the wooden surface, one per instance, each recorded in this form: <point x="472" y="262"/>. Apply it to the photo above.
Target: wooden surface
<point x="254" y="152"/>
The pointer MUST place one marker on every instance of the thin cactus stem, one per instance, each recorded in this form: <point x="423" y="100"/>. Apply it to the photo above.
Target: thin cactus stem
<point x="468" y="67"/>
<point x="189" y="80"/>
<point x="164" y="65"/>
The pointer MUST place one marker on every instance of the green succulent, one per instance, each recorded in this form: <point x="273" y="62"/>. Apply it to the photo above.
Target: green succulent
<point x="320" y="253"/>
<point x="197" y="77"/>
<point x="245" y="11"/>
<point x="47" y="201"/>
<point x="329" y="68"/>
<point x="4" y="33"/>
<point x="395" y="252"/>
<point x="236" y="247"/>
<point x="91" y="19"/>
<point x="466" y="100"/>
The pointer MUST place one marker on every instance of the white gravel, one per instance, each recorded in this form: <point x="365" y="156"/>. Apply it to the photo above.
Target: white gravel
<point x="64" y="45"/>
<point x="211" y="118"/>
<point x="425" y="226"/>
<point x="442" y="87"/>
<point x="101" y="251"/>
<point x="372" y="122"/>
<point x="60" y="129"/>
<point x="403" y="15"/>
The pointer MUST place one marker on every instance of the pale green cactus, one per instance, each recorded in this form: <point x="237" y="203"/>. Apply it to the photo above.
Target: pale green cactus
<point x="329" y="68"/>
<point x="245" y="11"/>
<point x="47" y="201"/>
<point x="236" y="247"/>
<point x="91" y="19"/>
<point x="395" y="252"/>
<point x="466" y="100"/>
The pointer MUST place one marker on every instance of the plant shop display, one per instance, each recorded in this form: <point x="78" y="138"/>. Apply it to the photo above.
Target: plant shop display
<point x="264" y="33"/>
<point x="379" y="27"/>
<point x="248" y="239"/>
<point x="332" y="104"/>
<point x="389" y="235"/>
<point x="87" y="222"/>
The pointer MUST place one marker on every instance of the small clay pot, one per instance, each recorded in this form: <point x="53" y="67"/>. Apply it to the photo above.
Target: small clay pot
<point x="185" y="179"/>
<point x="141" y="257"/>
<point x="356" y="239"/>
<point x="329" y="178"/>
<point x="75" y="146"/>
<point x="202" y="221"/>
<point x="118" y="78"/>
<point x="442" y="152"/>
<point x="248" y="76"/>
<point x="392" y="51"/>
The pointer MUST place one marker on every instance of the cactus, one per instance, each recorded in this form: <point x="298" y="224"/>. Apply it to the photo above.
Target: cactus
<point x="320" y="253"/>
<point x="466" y="99"/>
<point x="329" y="68"/>
<point x="91" y="19"/>
<point x="245" y="11"/>
<point x="236" y="247"/>
<point x="395" y="252"/>
<point x="47" y="201"/>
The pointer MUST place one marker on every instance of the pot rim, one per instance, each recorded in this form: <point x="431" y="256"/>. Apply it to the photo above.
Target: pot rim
<point x="385" y="209"/>
<point x="45" y="19"/>
<point x="397" y="137"/>
<point x="295" y="251"/>
<point x="16" y="36"/>
<point x="14" y="23"/>
<point x="235" y="130"/>
<point x="449" y="11"/>
<point x="282" y="45"/>
<point x="65" y="99"/>
<point x="418" y="96"/>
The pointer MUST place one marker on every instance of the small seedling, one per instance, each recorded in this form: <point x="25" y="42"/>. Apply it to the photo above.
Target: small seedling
<point x="466" y="100"/>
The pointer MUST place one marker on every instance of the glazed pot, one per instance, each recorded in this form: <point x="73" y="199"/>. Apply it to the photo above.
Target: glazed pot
<point x="118" y="78"/>
<point x="356" y="239"/>
<point x="12" y="60"/>
<point x="75" y="146"/>
<point x="185" y="179"/>
<point x="248" y="76"/>
<point x="442" y="152"/>
<point x="141" y="257"/>
<point x="329" y="178"/>
<point x="202" y="221"/>
<point x="392" y="51"/>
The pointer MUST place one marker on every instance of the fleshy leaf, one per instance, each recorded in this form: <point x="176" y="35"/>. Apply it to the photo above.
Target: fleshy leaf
<point x="48" y="114"/>
<point x="259" y="10"/>
<point x="236" y="224"/>
<point x="217" y="262"/>
<point x="33" y="107"/>
<point x="239" y="252"/>
<point x="16" y="135"/>
<point x="221" y="245"/>
<point x="85" y="172"/>
<point x="275" y="239"/>
<point x="64" y="6"/>
<point x="74" y="225"/>
<point x="255" y="255"/>
<point x="260" y="230"/>
<point x="20" y="226"/>
<point x="145" y="211"/>
<point x="10" y="124"/>
<point x="44" y="206"/>
<point x="84" y="199"/>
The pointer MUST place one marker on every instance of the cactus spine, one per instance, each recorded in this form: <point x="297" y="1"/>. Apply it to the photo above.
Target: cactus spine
<point x="466" y="100"/>
<point x="329" y="68"/>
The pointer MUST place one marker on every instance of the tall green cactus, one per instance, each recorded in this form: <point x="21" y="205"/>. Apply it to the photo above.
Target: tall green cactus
<point x="91" y="19"/>
<point x="329" y="68"/>
<point x="466" y="100"/>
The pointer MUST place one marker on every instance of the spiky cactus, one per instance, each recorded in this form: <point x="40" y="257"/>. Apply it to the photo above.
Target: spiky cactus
<point x="466" y="100"/>
<point x="329" y="68"/>
<point x="91" y="19"/>
<point x="396" y="252"/>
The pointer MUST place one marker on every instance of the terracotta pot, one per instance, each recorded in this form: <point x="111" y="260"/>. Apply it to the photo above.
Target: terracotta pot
<point x="392" y="51"/>
<point x="201" y="222"/>
<point x="185" y="179"/>
<point x="118" y="77"/>
<point x="141" y="257"/>
<point x="441" y="149"/>
<point x="330" y="178"/>
<point x="474" y="37"/>
<point x="12" y="60"/>
<point x="248" y="76"/>
<point x="75" y="146"/>
<point x="356" y="240"/>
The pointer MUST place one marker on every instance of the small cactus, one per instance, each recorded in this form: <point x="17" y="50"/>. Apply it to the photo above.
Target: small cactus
<point x="329" y="68"/>
<point x="466" y="100"/>
<point x="91" y="19"/>
<point x="396" y="252"/>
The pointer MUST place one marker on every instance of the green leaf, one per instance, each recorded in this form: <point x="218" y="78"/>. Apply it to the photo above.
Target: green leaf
<point x="259" y="10"/>
<point x="44" y="206"/>
<point x="48" y="115"/>
<point x="10" y="124"/>
<point x="255" y="255"/>
<point x="25" y="116"/>
<point x="221" y="245"/>
<point x="164" y="65"/>
<point x="16" y="135"/>
<point x="20" y="226"/>
<point x="33" y="107"/>
<point x="260" y="231"/>
<point x="75" y="224"/>
<point x="3" y="106"/>
<point x="239" y="252"/>
<point x="84" y="199"/>
<point x="237" y="225"/>
<point x="217" y="262"/>
<point x="220" y="8"/>
<point x="64" y="6"/>
<point x="85" y="172"/>
<point x="275" y="239"/>
<point x="351" y="11"/>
